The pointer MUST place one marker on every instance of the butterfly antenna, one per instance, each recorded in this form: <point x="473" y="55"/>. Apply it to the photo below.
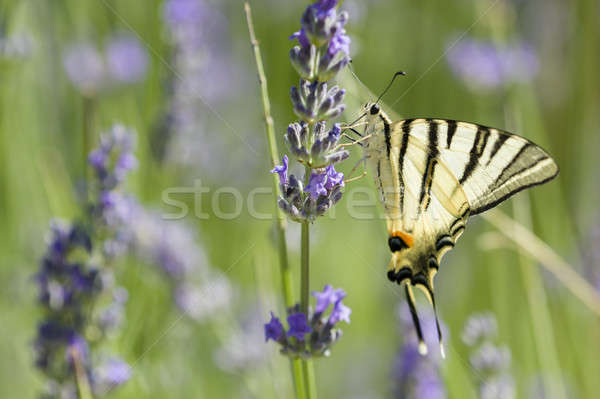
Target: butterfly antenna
<point x="410" y="298"/>
<point x="399" y="73"/>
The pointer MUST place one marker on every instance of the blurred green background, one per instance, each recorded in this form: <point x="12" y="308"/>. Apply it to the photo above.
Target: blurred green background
<point x="551" y="334"/>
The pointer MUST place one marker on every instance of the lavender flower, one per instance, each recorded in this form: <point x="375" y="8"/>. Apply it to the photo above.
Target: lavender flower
<point x="298" y="326"/>
<point x="323" y="38"/>
<point x="273" y="329"/>
<point x="307" y="203"/>
<point x="417" y="376"/>
<point x="110" y="207"/>
<point x="491" y="362"/>
<point x="76" y="288"/>
<point x="312" y="334"/>
<point x="69" y="284"/>
<point x="85" y="67"/>
<point x="327" y="297"/>
<point x="127" y="60"/>
<point x="322" y="52"/>
<point x="206" y="79"/>
<point x="486" y="65"/>
<point x="282" y="170"/>
<point x="92" y="71"/>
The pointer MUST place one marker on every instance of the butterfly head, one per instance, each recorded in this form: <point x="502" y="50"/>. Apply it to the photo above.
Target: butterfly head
<point x="374" y="115"/>
<point x="373" y="109"/>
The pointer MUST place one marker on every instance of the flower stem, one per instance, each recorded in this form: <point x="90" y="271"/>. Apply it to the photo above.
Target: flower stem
<point x="83" y="384"/>
<point x="308" y="372"/>
<point x="286" y="276"/>
<point x="280" y="224"/>
<point x="305" y="268"/>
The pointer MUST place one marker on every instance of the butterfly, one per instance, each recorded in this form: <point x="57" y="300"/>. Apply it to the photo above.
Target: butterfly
<point x="432" y="175"/>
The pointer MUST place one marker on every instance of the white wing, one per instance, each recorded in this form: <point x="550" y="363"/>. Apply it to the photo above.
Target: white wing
<point x="490" y="164"/>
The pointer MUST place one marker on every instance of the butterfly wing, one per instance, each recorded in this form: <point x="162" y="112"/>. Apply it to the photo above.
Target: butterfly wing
<point x="490" y="164"/>
<point x="445" y="171"/>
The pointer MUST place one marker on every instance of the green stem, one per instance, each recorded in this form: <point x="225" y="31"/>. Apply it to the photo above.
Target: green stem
<point x="280" y="224"/>
<point x="286" y="276"/>
<point x="305" y="268"/>
<point x="308" y="372"/>
<point x="83" y="384"/>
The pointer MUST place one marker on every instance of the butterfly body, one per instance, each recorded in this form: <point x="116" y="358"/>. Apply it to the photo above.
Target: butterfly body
<point x="432" y="174"/>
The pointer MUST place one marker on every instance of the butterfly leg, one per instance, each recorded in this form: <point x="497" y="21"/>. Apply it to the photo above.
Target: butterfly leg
<point x="354" y="125"/>
<point x="362" y="161"/>
<point x="354" y="142"/>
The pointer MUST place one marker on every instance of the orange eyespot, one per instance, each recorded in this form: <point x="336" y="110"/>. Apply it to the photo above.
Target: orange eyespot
<point x="407" y="238"/>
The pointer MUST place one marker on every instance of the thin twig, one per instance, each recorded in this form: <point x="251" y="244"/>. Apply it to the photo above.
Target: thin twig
<point x="280" y="225"/>
<point x="548" y="258"/>
<point x="274" y="154"/>
<point x="83" y="384"/>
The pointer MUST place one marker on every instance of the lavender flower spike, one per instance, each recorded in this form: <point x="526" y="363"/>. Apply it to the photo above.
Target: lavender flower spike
<point x="491" y="362"/>
<point x="321" y="326"/>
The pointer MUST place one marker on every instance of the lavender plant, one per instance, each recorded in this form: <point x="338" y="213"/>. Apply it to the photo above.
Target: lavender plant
<point x="491" y="362"/>
<point x="322" y="51"/>
<point x="81" y="303"/>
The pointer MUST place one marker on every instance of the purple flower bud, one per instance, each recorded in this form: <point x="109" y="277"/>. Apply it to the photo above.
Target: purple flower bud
<point x="327" y="297"/>
<point x="333" y="178"/>
<point x="340" y="42"/>
<point x="337" y="156"/>
<point x="302" y="38"/>
<point x="334" y="134"/>
<point x="273" y="329"/>
<point x="316" y="185"/>
<point x="281" y="170"/>
<point x="298" y="326"/>
<point x="340" y="312"/>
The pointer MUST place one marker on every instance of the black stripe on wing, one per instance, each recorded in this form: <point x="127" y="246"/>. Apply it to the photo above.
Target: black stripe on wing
<point x="432" y="156"/>
<point x="481" y="138"/>
<point x="450" y="132"/>
<point x="403" y="147"/>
